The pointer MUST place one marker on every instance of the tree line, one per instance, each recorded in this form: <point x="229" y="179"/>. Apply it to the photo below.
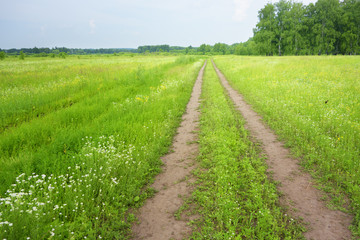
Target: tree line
<point x="57" y="50"/>
<point x="284" y="28"/>
<point x="291" y="28"/>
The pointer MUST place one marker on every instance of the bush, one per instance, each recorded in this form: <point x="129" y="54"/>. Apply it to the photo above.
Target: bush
<point x="2" y="55"/>
<point x="22" y="55"/>
<point x="63" y="55"/>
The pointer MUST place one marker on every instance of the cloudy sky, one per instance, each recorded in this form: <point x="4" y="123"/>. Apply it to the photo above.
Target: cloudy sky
<point x="126" y="23"/>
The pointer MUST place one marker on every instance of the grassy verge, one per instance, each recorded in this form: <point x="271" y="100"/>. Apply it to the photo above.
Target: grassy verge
<point x="76" y="171"/>
<point x="236" y="199"/>
<point x="313" y="104"/>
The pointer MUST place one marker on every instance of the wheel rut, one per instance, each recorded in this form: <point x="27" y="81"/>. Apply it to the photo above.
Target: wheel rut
<point x="156" y="217"/>
<point x="299" y="195"/>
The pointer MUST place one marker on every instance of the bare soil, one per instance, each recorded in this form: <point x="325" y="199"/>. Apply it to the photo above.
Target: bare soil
<point x="156" y="217"/>
<point x="299" y="195"/>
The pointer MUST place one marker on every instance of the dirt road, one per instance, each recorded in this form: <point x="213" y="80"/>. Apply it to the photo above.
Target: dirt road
<point x="156" y="217"/>
<point x="300" y="196"/>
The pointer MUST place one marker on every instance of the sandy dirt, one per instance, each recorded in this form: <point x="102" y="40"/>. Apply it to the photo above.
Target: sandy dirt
<point x="156" y="217"/>
<point x="299" y="195"/>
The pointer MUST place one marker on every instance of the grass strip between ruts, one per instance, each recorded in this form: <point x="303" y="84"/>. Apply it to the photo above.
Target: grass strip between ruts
<point x="235" y="198"/>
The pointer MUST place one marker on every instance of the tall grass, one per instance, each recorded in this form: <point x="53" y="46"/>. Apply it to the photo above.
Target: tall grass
<point x="313" y="103"/>
<point x="75" y="171"/>
<point x="28" y="92"/>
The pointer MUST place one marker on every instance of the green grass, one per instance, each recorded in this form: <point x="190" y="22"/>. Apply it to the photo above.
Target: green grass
<point x="236" y="199"/>
<point x="37" y="87"/>
<point x="74" y="171"/>
<point x="313" y="104"/>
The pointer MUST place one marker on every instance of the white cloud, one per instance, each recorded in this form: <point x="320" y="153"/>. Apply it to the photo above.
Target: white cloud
<point x="241" y="6"/>
<point x="92" y="26"/>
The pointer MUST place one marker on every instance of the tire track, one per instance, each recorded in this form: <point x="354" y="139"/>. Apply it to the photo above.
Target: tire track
<point x="302" y="199"/>
<point x="156" y="217"/>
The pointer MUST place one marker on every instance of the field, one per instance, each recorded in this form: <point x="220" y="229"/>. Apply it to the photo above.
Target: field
<point x="81" y="140"/>
<point x="313" y="104"/>
<point x="81" y="137"/>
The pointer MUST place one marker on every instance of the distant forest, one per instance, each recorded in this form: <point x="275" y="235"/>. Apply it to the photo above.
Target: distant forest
<point x="291" y="28"/>
<point x="284" y="28"/>
<point x="57" y="50"/>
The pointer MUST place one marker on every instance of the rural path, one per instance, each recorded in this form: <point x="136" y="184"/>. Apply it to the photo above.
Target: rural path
<point x="299" y="195"/>
<point x="156" y="217"/>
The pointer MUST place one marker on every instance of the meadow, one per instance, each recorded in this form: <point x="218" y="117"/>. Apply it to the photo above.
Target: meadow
<point x="313" y="104"/>
<point x="80" y="138"/>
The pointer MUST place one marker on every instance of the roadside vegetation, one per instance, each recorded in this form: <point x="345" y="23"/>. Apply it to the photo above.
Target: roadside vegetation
<point x="235" y="197"/>
<point x="313" y="104"/>
<point x="80" y="138"/>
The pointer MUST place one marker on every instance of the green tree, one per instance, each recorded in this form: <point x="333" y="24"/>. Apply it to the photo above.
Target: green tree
<point x="202" y="49"/>
<point x="351" y="27"/>
<point x="294" y="40"/>
<point x="282" y="20"/>
<point x="187" y="50"/>
<point x="328" y="14"/>
<point x="22" y="55"/>
<point x="55" y="51"/>
<point x="208" y="49"/>
<point x="220" y="48"/>
<point x="2" y="55"/>
<point x="63" y="55"/>
<point x="246" y="48"/>
<point x="264" y="33"/>
<point x="309" y="35"/>
<point x="240" y="49"/>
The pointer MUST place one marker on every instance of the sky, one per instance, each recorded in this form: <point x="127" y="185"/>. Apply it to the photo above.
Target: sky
<point x="126" y="23"/>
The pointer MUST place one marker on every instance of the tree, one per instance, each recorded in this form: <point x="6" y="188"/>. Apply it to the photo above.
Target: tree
<point x="240" y="49"/>
<point x="326" y="22"/>
<point x="22" y="55"/>
<point x="220" y="48"/>
<point x="35" y="50"/>
<point x="246" y="48"/>
<point x="351" y="27"/>
<point x="264" y="33"/>
<point x="2" y="55"/>
<point x="202" y="49"/>
<point x="308" y="27"/>
<point x="294" y="41"/>
<point x="63" y="55"/>
<point x="282" y="19"/>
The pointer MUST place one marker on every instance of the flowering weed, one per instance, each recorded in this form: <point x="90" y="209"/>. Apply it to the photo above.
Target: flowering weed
<point x="74" y="173"/>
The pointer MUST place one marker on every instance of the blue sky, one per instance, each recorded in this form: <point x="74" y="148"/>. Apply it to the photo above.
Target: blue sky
<point x="128" y="24"/>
